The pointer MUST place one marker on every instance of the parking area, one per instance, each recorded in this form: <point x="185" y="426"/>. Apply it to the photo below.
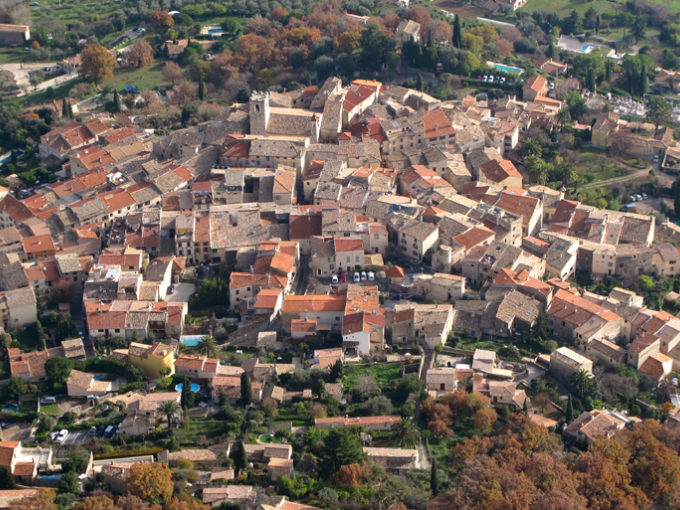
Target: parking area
<point x="182" y="293"/>
<point x="76" y="436"/>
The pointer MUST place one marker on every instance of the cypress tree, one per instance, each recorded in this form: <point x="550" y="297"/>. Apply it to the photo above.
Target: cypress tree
<point x="526" y="407"/>
<point x="457" y="35"/>
<point x="569" y="414"/>
<point x="550" y="52"/>
<point x="117" y="106"/>
<point x="676" y="189"/>
<point x="240" y="458"/>
<point x="590" y="80"/>
<point x="246" y="389"/>
<point x="201" y="88"/>
<point x="64" y="109"/>
<point x="69" y="110"/>
<point x="643" y="81"/>
<point x="433" y="479"/>
<point x="187" y="398"/>
<point x="420" y="85"/>
<point x="14" y="157"/>
<point x="598" y="22"/>
<point x="608" y="70"/>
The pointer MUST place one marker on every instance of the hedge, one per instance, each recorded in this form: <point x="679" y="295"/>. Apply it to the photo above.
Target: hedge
<point x="127" y="453"/>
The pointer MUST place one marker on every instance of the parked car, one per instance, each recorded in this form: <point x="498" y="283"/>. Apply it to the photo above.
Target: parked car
<point x="334" y="278"/>
<point x="632" y="198"/>
<point x="503" y="79"/>
<point x="343" y="277"/>
<point x="171" y="290"/>
<point x="656" y="159"/>
<point x="357" y="277"/>
<point x="485" y="78"/>
<point x="108" y="433"/>
<point x="100" y="430"/>
<point x="61" y="436"/>
<point x="93" y="431"/>
<point x="48" y="400"/>
<point x="644" y="196"/>
<point x="479" y="77"/>
<point x="551" y="86"/>
<point x="638" y="198"/>
<point x="371" y="276"/>
<point x="363" y="276"/>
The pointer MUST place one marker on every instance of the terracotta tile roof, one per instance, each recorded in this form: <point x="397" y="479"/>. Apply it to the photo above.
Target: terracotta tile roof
<point x="642" y="342"/>
<point x="314" y="303"/>
<point x="535" y="83"/>
<point x="80" y="379"/>
<point x="38" y="244"/>
<point x="267" y="298"/>
<point x="395" y="272"/>
<point x="474" y="237"/>
<point x="7" y="452"/>
<point x="190" y="362"/>
<point x="344" y="244"/>
<point x="498" y="171"/>
<point x="24" y="469"/>
<point x="356" y="97"/>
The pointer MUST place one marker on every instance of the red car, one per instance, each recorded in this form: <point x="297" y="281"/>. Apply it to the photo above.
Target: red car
<point x="343" y="277"/>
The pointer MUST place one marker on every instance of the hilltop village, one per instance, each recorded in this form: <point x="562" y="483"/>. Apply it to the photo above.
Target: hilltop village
<point x="320" y="289"/>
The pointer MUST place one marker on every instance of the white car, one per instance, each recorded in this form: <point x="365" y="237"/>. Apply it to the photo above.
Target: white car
<point x="357" y="277"/>
<point x="656" y="159"/>
<point x="61" y="437"/>
<point x="371" y="276"/>
<point x="551" y="86"/>
<point x="503" y="80"/>
<point x="334" y="278"/>
<point x="644" y="196"/>
<point x="632" y="198"/>
<point x="485" y="78"/>
<point x="363" y="276"/>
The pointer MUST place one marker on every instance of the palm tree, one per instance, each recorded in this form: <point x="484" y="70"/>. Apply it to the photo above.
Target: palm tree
<point x="563" y="117"/>
<point x="169" y="409"/>
<point x="579" y="383"/>
<point x="536" y="169"/>
<point x="207" y="346"/>
<point x="567" y="173"/>
<point x="405" y="433"/>
<point x="531" y="146"/>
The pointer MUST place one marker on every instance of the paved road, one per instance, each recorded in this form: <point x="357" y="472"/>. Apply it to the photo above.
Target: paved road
<point x="182" y="293"/>
<point x="301" y="284"/>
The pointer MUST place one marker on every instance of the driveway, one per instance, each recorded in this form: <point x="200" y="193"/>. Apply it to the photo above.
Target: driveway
<point x="21" y="71"/>
<point x="182" y="293"/>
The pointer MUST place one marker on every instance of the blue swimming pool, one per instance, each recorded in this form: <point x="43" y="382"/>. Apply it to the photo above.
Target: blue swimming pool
<point x="506" y="69"/>
<point x="588" y="48"/>
<point x="215" y="31"/>
<point x="100" y="377"/>
<point x="194" y="387"/>
<point x="51" y="477"/>
<point x="191" y="340"/>
<point x="12" y="409"/>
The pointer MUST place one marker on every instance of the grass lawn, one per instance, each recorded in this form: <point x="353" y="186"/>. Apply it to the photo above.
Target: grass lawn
<point x="14" y="55"/>
<point x="28" y="339"/>
<point x="40" y="97"/>
<point x="384" y="373"/>
<point x="588" y="164"/>
<point x="50" y="409"/>
<point x="142" y="78"/>
<point x="564" y="7"/>
<point x="208" y="428"/>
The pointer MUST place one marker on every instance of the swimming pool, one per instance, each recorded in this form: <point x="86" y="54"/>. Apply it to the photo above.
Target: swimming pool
<point x="506" y="69"/>
<point x="13" y="409"/>
<point x="588" y="48"/>
<point x="194" y="387"/>
<point x="191" y="340"/>
<point x="100" y="377"/>
<point x="215" y="31"/>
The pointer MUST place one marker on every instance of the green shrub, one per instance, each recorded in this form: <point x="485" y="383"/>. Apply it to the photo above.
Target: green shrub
<point x="127" y="453"/>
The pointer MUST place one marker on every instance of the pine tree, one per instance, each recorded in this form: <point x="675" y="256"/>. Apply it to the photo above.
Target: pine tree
<point x="457" y="33"/>
<point x="117" y="106"/>
<point x="246" y="389"/>
<point x="201" y="89"/>
<point x="240" y="458"/>
<point x="569" y="414"/>
<point x="433" y="478"/>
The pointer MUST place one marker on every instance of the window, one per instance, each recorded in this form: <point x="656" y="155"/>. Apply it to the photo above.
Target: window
<point x="277" y="197"/>
<point x="237" y="292"/>
<point x="376" y="236"/>
<point x="337" y="319"/>
<point x="357" y="259"/>
<point x="332" y="266"/>
<point x="349" y="260"/>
